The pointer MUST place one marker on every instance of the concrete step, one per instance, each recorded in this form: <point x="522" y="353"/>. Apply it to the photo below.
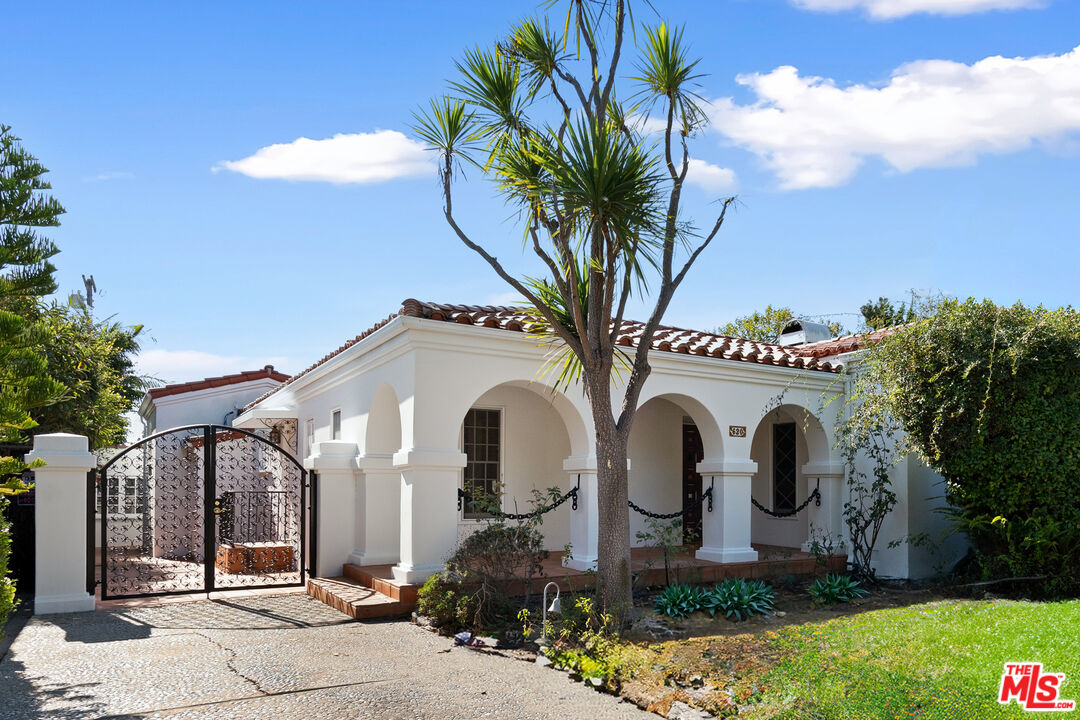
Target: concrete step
<point x="356" y="599"/>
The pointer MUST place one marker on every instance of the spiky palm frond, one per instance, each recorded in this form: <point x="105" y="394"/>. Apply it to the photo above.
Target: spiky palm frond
<point x="521" y="175"/>
<point x="491" y="81"/>
<point x="665" y="71"/>
<point x="447" y="127"/>
<point x="562" y="359"/>
<point x="539" y="51"/>
<point x="608" y="184"/>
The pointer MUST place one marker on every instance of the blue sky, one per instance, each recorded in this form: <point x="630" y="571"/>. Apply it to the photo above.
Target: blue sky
<point x="861" y="170"/>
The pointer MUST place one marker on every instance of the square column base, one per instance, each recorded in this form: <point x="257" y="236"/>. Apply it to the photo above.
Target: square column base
<point x="357" y="557"/>
<point x="415" y="574"/>
<point x="49" y="604"/>
<point x="727" y="555"/>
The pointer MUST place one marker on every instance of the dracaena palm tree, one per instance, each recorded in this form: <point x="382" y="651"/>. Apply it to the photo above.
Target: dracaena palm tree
<point x="599" y="198"/>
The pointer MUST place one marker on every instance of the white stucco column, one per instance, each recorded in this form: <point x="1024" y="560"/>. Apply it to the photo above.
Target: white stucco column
<point x="378" y="511"/>
<point x="60" y="523"/>
<point x="428" y="532"/>
<point x="826" y="520"/>
<point x="584" y="522"/>
<point x="725" y="532"/>
<point x="335" y="463"/>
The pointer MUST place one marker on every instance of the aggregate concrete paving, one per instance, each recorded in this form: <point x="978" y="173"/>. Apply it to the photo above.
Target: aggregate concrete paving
<point x="270" y="657"/>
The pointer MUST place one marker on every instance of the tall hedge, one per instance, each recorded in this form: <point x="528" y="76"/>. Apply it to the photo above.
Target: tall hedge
<point x="989" y="396"/>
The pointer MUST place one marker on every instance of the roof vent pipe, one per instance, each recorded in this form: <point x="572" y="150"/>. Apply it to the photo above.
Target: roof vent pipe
<point x="803" y="332"/>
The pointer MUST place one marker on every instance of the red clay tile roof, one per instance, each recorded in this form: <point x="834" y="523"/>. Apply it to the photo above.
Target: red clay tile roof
<point x="668" y="339"/>
<point x="240" y="377"/>
<point x="845" y="344"/>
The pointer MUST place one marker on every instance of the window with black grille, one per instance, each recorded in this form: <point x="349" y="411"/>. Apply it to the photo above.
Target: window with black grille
<point x="126" y="495"/>
<point x="482" y="441"/>
<point x="784" y="467"/>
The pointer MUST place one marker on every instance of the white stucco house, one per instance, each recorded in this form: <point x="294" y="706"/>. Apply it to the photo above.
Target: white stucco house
<point x="441" y="397"/>
<point x="213" y="400"/>
<point x="210" y="401"/>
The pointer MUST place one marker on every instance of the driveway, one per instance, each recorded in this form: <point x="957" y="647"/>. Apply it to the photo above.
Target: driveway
<point x="270" y="657"/>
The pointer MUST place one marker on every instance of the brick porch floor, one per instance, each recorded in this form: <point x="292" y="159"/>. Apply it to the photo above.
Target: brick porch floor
<point x="370" y="591"/>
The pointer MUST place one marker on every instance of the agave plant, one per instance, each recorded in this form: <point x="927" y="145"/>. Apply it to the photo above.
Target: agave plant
<point x="836" y="588"/>
<point x="739" y="598"/>
<point x="679" y="600"/>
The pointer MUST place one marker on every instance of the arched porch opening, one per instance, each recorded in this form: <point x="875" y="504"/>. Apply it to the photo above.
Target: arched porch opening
<point x="785" y="440"/>
<point x="671" y="434"/>
<point x="516" y="437"/>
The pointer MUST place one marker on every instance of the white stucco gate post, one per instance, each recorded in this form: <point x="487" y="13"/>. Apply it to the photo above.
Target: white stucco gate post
<point x="378" y="511"/>
<point x="584" y="522"/>
<point x="334" y="461"/>
<point x="825" y="523"/>
<point x="725" y="532"/>
<point x="429" y="484"/>
<point x="60" y="518"/>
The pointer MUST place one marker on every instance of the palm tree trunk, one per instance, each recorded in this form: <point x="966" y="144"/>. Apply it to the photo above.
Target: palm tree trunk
<point x="614" y="582"/>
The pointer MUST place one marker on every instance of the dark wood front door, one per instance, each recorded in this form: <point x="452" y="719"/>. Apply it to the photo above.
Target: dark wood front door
<point x="693" y="453"/>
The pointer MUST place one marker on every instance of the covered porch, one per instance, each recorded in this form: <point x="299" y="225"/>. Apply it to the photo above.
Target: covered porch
<point x="372" y="591"/>
<point x="396" y="429"/>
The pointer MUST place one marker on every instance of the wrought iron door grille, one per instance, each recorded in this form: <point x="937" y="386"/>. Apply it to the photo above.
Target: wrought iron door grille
<point x="784" y="467"/>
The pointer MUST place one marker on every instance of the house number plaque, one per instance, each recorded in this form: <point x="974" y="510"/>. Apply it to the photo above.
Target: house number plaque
<point x="737" y="430"/>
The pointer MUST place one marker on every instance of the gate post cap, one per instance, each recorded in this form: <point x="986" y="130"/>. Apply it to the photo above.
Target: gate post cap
<point x="64" y="451"/>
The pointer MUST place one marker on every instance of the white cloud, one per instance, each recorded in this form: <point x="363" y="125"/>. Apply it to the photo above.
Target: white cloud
<point x="931" y="113"/>
<point x="712" y="178"/>
<point x="177" y="366"/>
<point x="345" y="158"/>
<point x="106" y="176"/>
<point x="890" y="9"/>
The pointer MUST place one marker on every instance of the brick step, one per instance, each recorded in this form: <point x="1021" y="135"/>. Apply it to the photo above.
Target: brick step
<point x="381" y="579"/>
<point x="355" y="599"/>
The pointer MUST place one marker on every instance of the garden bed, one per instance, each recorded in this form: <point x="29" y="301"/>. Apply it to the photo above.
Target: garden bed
<point x="899" y="653"/>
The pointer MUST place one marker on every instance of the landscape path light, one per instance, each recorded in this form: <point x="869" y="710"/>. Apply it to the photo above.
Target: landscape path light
<point x="556" y="607"/>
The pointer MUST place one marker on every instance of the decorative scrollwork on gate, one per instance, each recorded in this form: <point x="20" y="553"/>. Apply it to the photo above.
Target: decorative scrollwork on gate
<point x="201" y="508"/>
<point x="151" y="513"/>
<point x="258" y="511"/>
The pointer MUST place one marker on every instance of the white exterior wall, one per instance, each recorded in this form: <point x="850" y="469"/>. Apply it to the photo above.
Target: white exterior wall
<point x="656" y="460"/>
<point x="404" y="391"/>
<point x="209" y="406"/>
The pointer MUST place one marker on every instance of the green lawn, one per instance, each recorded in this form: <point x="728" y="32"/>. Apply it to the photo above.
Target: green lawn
<point x="934" y="660"/>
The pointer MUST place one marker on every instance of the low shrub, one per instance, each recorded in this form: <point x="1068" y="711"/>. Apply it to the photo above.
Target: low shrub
<point x="738" y="598"/>
<point x="587" y="644"/>
<point x="445" y="600"/>
<point x="835" y="589"/>
<point x="484" y="567"/>
<point x="679" y="600"/>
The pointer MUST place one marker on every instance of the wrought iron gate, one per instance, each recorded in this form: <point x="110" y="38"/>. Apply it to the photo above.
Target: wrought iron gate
<point x="198" y="509"/>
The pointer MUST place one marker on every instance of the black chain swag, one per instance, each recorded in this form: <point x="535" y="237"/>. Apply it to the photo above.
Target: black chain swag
<point x="464" y="497"/>
<point x="815" y="495"/>
<point x="707" y="495"/>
